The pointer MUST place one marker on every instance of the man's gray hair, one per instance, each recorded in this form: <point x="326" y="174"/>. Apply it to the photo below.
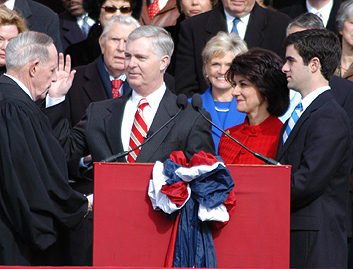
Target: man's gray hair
<point x="27" y="47"/>
<point x="345" y="12"/>
<point x="162" y="41"/>
<point x="307" y="20"/>
<point x="123" y="19"/>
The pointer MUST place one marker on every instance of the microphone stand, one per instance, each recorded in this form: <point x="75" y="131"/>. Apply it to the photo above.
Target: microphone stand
<point x="257" y="155"/>
<point x="114" y="158"/>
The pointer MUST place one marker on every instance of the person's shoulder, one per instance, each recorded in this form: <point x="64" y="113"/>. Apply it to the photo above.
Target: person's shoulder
<point x="40" y="8"/>
<point x="66" y="16"/>
<point x="274" y="16"/>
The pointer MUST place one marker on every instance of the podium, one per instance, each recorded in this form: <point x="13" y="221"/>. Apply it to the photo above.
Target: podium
<point x="129" y="233"/>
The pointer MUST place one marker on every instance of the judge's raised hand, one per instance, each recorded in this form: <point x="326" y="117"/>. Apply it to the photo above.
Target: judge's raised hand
<point x="64" y="75"/>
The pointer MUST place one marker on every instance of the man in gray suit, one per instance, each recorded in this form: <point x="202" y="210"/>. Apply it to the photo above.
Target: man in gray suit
<point x="106" y="127"/>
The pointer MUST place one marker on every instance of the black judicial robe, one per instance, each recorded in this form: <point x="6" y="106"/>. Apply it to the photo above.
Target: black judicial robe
<point x="37" y="205"/>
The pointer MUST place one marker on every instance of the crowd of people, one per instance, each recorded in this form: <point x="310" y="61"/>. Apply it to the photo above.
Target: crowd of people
<point x="104" y="76"/>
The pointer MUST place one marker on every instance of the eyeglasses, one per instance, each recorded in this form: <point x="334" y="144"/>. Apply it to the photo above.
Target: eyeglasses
<point x="113" y="9"/>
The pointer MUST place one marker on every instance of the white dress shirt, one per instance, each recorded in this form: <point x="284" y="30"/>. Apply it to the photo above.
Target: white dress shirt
<point x="10" y="4"/>
<point x="323" y="13"/>
<point x="149" y="112"/>
<point x="241" y="26"/>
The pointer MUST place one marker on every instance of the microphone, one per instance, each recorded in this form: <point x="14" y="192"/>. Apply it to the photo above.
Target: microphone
<point x="197" y="105"/>
<point x="182" y="103"/>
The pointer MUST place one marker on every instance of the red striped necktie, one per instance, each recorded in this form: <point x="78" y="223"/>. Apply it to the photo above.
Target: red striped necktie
<point x="138" y="132"/>
<point x="116" y="83"/>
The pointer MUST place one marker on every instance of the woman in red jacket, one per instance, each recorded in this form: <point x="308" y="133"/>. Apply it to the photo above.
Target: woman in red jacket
<point x="261" y="92"/>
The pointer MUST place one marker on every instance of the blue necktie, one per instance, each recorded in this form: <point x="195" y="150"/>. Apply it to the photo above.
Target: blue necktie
<point x="235" y="23"/>
<point x="292" y="121"/>
<point x="85" y="26"/>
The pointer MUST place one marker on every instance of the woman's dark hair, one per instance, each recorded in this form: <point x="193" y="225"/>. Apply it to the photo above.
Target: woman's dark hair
<point x="264" y="69"/>
<point x="93" y="7"/>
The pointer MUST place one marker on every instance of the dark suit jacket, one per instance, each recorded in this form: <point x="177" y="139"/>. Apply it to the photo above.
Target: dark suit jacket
<point x="91" y="84"/>
<point x="98" y="133"/>
<point x="40" y="18"/>
<point x="266" y="29"/>
<point x="70" y="32"/>
<point x="300" y="8"/>
<point x="319" y="151"/>
<point x="86" y="51"/>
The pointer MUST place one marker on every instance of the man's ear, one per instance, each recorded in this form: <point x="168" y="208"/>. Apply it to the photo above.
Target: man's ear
<point x="33" y="68"/>
<point x="101" y="44"/>
<point x="164" y="62"/>
<point x="315" y="65"/>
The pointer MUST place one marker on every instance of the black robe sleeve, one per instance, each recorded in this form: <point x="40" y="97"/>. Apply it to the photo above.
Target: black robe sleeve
<point x="35" y="197"/>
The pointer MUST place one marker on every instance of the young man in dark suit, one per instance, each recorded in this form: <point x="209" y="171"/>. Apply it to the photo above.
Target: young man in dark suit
<point x="258" y="26"/>
<point x="316" y="142"/>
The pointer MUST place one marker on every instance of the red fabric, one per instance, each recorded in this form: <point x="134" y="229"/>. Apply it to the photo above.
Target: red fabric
<point x="203" y="158"/>
<point x="116" y="83"/>
<point x="177" y="193"/>
<point x="262" y="138"/>
<point x="138" y="132"/>
<point x="169" y="258"/>
<point x="257" y="236"/>
<point x="153" y="9"/>
<point x="178" y="157"/>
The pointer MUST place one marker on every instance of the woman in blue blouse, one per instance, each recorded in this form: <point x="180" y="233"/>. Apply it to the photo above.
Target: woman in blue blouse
<point x="217" y="57"/>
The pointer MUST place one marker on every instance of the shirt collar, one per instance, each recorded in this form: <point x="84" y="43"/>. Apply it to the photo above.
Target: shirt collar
<point x="21" y="85"/>
<point x="79" y="20"/>
<point x="153" y="99"/>
<point x="324" y="11"/>
<point x="307" y="100"/>
<point x="10" y="4"/>
<point x="242" y="25"/>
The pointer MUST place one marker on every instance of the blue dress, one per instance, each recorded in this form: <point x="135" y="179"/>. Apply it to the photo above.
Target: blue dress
<point x="233" y="117"/>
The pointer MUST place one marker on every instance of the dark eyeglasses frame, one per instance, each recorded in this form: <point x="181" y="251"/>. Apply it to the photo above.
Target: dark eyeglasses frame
<point x="113" y="9"/>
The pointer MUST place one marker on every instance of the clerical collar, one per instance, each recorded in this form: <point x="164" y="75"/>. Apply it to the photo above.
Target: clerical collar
<point x="323" y="13"/>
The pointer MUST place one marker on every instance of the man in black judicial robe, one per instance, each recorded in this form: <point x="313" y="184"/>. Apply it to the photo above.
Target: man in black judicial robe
<point x="37" y="205"/>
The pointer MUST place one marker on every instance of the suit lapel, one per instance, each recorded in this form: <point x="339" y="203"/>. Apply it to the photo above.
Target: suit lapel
<point x="93" y="85"/>
<point x="216" y="21"/>
<point x="257" y="22"/>
<point x="282" y="148"/>
<point x="112" y="123"/>
<point x="73" y="32"/>
<point x="167" y="108"/>
<point x="318" y="102"/>
<point x="23" y="9"/>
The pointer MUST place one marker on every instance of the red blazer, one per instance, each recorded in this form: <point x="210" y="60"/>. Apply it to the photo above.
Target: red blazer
<point x="262" y="138"/>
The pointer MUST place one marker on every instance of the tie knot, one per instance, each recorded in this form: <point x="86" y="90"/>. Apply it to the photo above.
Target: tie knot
<point x="143" y="103"/>
<point x="117" y="83"/>
<point x="299" y="106"/>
